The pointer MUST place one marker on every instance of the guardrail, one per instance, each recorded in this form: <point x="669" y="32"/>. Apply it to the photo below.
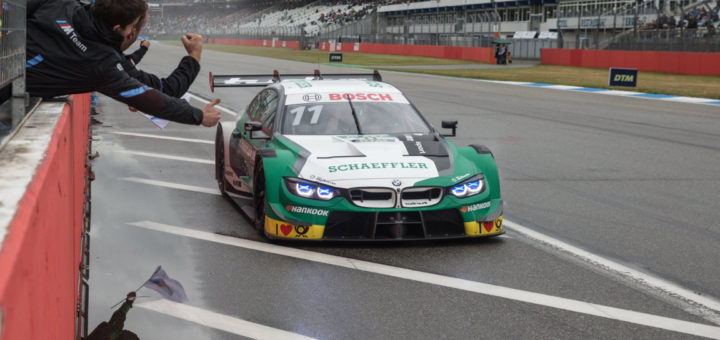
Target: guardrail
<point x="44" y="221"/>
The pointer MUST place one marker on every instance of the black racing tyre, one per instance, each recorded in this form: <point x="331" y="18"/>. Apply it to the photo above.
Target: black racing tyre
<point x="220" y="161"/>
<point x="260" y="199"/>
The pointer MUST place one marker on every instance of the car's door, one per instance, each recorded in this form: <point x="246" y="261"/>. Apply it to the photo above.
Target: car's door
<point x="253" y="141"/>
<point x="240" y="148"/>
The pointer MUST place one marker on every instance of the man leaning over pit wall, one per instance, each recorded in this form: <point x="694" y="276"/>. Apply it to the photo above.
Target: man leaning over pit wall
<point x="76" y="48"/>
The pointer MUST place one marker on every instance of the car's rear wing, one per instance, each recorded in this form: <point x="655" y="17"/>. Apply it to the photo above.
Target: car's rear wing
<point x="250" y="80"/>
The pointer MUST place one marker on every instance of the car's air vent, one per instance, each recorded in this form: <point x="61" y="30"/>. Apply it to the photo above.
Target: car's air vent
<point x="421" y="197"/>
<point x="373" y="197"/>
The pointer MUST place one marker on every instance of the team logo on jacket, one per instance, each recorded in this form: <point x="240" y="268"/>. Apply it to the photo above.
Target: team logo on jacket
<point x="70" y="32"/>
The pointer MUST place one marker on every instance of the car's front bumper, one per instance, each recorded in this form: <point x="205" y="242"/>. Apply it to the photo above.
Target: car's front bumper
<point x="389" y="225"/>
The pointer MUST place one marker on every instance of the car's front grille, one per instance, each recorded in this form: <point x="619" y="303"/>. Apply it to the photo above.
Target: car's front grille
<point x="441" y="223"/>
<point x="394" y="225"/>
<point x="373" y="197"/>
<point x="421" y="196"/>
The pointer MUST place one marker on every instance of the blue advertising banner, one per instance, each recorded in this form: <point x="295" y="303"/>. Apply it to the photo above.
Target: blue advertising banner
<point x="623" y="77"/>
<point x="336" y="57"/>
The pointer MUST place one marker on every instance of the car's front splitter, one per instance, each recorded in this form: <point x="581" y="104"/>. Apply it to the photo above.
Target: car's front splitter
<point x="277" y="229"/>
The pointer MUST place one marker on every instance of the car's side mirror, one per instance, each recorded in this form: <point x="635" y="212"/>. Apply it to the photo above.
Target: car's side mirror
<point x="260" y="134"/>
<point x="450" y="124"/>
<point x="252" y="125"/>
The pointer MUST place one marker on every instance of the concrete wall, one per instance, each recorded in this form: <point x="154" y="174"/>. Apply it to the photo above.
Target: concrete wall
<point x="43" y="187"/>
<point x="265" y="43"/>
<point x="483" y="54"/>
<point x="692" y="63"/>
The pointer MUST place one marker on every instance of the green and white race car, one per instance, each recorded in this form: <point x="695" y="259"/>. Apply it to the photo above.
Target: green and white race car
<point x="348" y="157"/>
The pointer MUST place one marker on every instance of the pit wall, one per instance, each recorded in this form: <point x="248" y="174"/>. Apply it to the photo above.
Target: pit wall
<point x="482" y="54"/>
<point x="266" y="43"/>
<point x="40" y="255"/>
<point x="691" y="63"/>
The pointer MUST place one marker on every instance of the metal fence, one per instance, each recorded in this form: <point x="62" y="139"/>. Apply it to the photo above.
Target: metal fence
<point x="530" y="48"/>
<point x="12" y="66"/>
<point x="12" y="41"/>
<point x="681" y="40"/>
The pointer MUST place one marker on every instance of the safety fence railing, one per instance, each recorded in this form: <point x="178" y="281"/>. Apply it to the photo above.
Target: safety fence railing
<point x="12" y="66"/>
<point x="12" y="41"/>
<point x="680" y="40"/>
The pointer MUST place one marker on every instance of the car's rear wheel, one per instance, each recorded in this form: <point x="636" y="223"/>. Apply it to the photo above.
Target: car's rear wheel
<point x="260" y="199"/>
<point x="220" y="161"/>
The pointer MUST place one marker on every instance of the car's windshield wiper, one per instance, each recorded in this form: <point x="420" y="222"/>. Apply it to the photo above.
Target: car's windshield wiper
<point x="352" y="109"/>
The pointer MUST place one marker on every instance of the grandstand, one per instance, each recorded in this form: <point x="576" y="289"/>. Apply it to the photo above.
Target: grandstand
<point x="316" y="16"/>
<point x="569" y="23"/>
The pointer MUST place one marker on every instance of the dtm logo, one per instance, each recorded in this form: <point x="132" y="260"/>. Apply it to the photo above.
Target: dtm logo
<point x="70" y="32"/>
<point x="306" y="210"/>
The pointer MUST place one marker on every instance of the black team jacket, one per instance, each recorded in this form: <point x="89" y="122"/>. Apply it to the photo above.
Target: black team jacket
<point x="70" y="51"/>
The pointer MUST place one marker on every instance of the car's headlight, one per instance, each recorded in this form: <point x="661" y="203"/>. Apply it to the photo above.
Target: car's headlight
<point x="468" y="188"/>
<point x="311" y="190"/>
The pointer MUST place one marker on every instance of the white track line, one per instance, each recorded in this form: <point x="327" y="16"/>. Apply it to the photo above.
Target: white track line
<point x="705" y="307"/>
<point x="145" y="135"/>
<point x="164" y="156"/>
<point x="172" y="185"/>
<point x="205" y="102"/>
<point x="693" y="302"/>
<point x="607" y="312"/>
<point x="219" y="321"/>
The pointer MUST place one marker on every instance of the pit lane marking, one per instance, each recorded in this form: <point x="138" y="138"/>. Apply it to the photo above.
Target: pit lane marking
<point x="218" y="321"/>
<point x="164" y="156"/>
<point x="172" y="185"/>
<point x="205" y="102"/>
<point x="179" y="139"/>
<point x="577" y="306"/>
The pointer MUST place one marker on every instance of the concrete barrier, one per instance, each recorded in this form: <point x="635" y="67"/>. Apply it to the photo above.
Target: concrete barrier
<point x="693" y="63"/>
<point x="482" y="54"/>
<point x="265" y="43"/>
<point x="43" y="189"/>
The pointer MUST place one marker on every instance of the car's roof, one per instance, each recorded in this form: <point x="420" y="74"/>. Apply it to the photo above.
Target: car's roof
<point x="339" y="85"/>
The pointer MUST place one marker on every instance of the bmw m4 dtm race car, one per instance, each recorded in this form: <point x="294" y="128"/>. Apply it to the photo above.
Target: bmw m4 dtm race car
<point x="348" y="157"/>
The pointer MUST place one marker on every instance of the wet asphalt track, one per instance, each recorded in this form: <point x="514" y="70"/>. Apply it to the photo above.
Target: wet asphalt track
<point x="632" y="180"/>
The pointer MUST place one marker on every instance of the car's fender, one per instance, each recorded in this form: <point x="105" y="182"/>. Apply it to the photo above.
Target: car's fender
<point x="486" y="163"/>
<point x="276" y="164"/>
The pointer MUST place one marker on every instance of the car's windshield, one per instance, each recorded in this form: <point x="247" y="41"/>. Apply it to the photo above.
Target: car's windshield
<point x="337" y="119"/>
